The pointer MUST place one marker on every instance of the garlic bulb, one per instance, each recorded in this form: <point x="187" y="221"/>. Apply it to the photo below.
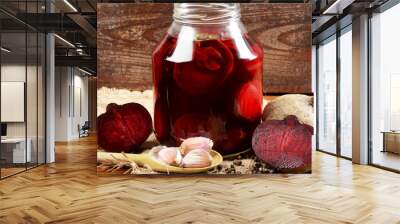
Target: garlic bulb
<point x="197" y="158"/>
<point x="170" y="155"/>
<point x="190" y="144"/>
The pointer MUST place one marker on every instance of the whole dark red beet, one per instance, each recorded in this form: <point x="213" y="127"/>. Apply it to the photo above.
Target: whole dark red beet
<point x="284" y="144"/>
<point x="123" y="128"/>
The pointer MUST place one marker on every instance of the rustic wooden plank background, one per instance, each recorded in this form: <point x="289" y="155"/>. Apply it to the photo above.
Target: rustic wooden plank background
<point x="128" y="33"/>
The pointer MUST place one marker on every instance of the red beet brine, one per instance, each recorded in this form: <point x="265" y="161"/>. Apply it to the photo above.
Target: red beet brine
<point x="207" y="79"/>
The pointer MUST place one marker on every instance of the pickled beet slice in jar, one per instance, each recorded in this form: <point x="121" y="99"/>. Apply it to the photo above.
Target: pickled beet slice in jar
<point x="162" y="127"/>
<point x="216" y="94"/>
<point x="212" y="64"/>
<point x="248" y="101"/>
<point x="231" y="141"/>
<point x="190" y="125"/>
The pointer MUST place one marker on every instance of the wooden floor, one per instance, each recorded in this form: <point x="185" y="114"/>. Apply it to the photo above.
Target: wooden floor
<point x="69" y="191"/>
<point x="387" y="159"/>
<point x="5" y="172"/>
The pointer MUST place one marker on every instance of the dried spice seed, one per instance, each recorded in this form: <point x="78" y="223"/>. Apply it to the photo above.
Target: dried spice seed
<point x="237" y="162"/>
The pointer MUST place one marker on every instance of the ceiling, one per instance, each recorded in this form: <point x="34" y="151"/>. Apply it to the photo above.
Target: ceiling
<point x="332" y="15"/>
<point x="74" y="22"/>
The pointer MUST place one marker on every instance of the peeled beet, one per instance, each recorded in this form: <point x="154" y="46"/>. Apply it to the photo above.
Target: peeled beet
<point x="123" y="128"/>
<point x="284" y="144"/>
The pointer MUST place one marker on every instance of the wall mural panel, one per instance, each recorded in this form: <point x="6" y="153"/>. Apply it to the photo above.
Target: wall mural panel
<point x="204" y="94"/>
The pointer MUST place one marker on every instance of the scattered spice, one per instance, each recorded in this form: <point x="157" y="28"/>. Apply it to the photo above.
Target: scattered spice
<point x="237" y="162"/>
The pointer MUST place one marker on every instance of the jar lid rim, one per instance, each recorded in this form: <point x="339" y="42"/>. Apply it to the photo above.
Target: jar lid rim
<point x="206" y="13"/>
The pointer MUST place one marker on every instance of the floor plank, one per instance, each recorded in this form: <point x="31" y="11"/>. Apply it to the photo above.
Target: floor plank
<point x="69" y="191"/>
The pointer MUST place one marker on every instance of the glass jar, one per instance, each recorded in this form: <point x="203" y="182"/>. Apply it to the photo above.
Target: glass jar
<point x="207" y="75"/>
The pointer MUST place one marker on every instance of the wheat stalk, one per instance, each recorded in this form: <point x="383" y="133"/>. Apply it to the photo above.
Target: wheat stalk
<point x="110" y="163"/>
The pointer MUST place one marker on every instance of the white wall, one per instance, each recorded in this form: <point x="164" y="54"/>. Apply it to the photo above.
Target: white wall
<point x="71" y="102"/>
<point x="81" y="83"/>
<point x="62" y="81"/>
<point x="14" y="73"/>
<point x="33" y="127"/>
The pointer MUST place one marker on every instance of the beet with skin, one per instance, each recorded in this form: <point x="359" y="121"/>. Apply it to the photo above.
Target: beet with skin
<point x="123" y="128"/>
<point x="284" y="144"/>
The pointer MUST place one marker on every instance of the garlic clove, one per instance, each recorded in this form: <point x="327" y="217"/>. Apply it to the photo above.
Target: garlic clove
<point x="197" y="158"/>
<point x="178" y="159"/>
<point x="170" y="155"/>
<point x="190" y="144"/>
